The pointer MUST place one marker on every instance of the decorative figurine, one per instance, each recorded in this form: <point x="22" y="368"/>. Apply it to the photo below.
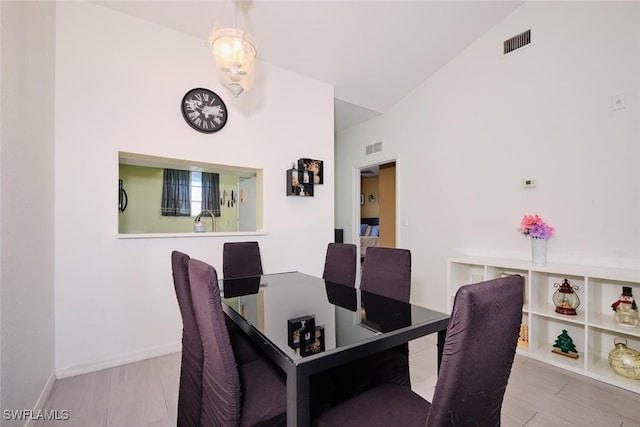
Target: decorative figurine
<point x="624" y="361"/>
<point x="564" y="346"/>
<point x="565" y="300"/>
<point x="626" y="309"/>
<point x="523" y="337"/>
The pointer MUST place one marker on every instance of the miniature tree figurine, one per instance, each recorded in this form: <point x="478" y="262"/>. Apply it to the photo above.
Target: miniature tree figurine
<point x="565" y="345"/>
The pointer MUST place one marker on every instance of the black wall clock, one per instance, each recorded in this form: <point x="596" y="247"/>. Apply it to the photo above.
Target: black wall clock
<point x="204" y="110"/>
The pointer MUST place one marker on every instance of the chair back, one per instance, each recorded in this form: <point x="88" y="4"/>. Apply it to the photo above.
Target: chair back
<point x="384" y="314"/>
<point x="387" y="272"/>
<point x="190" y="391"/>
<point x="341" y="295"/>
<point x="478" y="353"/>
<point x="221" y="400"/>
<point x="241" y="259"/>
<point x="340" y="264"/>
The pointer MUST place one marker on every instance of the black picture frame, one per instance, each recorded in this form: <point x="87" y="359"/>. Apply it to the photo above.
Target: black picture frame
<point x="314" y="166"/>
<point x="300" y="331"/>
<point x="315" y="345"/>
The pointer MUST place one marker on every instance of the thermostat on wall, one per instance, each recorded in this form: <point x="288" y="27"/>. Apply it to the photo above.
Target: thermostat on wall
<point x="528" y="183"/>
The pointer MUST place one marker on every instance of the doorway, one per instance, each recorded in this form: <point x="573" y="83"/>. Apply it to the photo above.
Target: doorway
<point x="247" y="208"/>
<point x="377" y="206"/>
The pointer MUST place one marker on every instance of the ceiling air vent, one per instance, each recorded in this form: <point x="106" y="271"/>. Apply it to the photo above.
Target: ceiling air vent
<point x="373" y="148"/>
<point x="516" y="42"/>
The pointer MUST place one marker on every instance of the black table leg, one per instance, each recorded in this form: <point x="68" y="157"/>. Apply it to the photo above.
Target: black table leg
<point x="298" y="403"/>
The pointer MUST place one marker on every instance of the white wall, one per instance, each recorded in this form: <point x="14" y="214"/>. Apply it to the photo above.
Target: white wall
<point x="27" y="201"/>
<point x="467" y="137"/>
<point x="2" y="348"/>
<point x="119" y="83"/>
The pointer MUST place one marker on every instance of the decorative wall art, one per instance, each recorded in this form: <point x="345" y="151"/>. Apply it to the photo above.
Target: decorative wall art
<point x="296" y="185"/>
<point x="314" y="167"/>
<point x="303" y="176"/>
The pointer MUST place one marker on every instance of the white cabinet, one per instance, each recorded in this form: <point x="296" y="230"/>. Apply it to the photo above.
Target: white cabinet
<point x="593" y="329"/>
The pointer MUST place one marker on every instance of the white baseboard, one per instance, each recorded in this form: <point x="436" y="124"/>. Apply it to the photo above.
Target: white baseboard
<point x="110" y="362"/>
<point x="42" y="398"/>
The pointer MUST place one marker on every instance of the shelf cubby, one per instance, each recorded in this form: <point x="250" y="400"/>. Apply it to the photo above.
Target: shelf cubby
<point x="593" y="329"/>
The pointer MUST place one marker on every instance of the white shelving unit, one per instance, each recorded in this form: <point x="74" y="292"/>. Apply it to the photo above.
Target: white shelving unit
<point x="593" y="329"/>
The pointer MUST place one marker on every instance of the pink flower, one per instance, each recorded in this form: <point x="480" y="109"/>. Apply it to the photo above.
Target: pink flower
<point x="535" y="227"/>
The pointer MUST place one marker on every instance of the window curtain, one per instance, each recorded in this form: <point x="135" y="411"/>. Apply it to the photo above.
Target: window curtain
<point x="176" y="193"/>
<point x="211" y="192"/>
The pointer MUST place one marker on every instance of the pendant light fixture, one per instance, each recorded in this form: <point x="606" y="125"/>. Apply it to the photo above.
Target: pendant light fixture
<point x="235" y="52"/>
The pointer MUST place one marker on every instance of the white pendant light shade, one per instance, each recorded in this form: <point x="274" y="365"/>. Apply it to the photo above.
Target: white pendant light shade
<point x="235" y="52"/>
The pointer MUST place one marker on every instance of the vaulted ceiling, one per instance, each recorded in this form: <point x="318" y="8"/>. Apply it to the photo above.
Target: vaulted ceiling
<point x="373" y="52"/>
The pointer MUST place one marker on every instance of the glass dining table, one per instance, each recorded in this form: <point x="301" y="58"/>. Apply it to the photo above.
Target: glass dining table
<point x="306" y="326"/>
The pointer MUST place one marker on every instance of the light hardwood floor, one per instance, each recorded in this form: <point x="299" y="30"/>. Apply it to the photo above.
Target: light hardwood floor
<point x="145" y="394"/>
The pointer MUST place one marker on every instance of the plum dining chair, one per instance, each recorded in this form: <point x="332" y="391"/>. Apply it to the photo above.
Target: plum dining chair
<point x="241" y="259"/>
<point x="248" y="394"/>
<point x="191" y="365"/>
<point x="340" y="264"/>
<point x="190" y="389"/>
<point x="478" y="354"/>
<point x="387" y="272"/>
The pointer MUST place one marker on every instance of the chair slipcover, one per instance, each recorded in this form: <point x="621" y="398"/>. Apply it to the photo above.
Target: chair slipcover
<point x="340" y="264"/>
<point x="342" y="296"/>
<point x="340" y="279"/>
<point x="478" y="354"/>
<point x="241" y="286"/>
<point x="388" y="366"/>
<point x="241" y="259"/>
<point x="383" y="313"/>
<point x="250" y="394"/>
<point x="190" y="390"/>
<point x="387" y="272"/>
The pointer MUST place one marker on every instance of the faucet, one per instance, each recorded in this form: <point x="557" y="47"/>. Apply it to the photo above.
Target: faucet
<point x="213" y="218"/>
